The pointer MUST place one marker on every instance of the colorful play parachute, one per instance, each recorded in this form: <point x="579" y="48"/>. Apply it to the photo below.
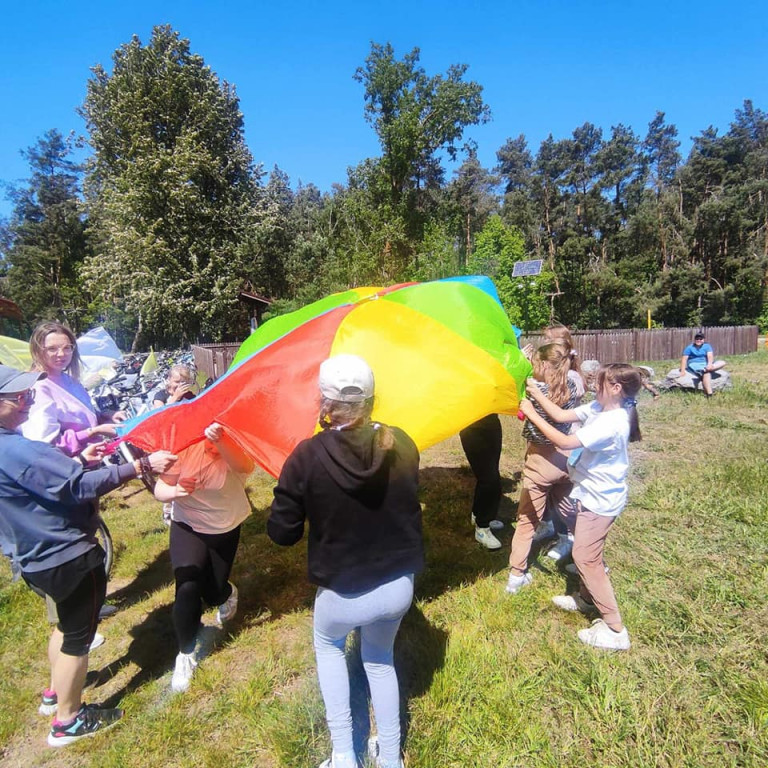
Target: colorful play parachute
<point x="443" y="354"/>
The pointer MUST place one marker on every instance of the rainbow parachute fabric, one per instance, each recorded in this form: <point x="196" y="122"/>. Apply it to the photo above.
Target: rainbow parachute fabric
<point x="443" y="355"/>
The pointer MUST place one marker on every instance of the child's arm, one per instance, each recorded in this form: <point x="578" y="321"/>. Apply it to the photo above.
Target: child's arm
<point x="229" y="450"/>
<point x="554" y="435"/>
<point x="165" y="492"/>
<point x="555" y="412"/>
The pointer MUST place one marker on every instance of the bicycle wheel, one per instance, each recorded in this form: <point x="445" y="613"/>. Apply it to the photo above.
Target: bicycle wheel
<point x="104" y="537"/>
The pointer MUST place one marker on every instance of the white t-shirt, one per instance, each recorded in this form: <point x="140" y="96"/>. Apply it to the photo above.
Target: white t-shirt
<point x="599" y="469"/>
<point x="219" y="502"/>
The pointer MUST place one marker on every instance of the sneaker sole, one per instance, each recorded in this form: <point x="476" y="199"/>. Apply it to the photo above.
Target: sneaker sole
<point x="47" y="709"/>
<point x="63" y="741"/>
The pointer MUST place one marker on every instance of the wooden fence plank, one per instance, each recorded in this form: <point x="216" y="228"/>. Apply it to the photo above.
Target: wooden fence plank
<point x="624" y="345"/>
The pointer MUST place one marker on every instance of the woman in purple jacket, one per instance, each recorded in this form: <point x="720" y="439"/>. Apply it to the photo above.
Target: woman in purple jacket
<point x="62" y="413"/>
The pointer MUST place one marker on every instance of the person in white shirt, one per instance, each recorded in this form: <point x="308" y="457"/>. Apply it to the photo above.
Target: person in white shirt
<point x="208" y="506"/>
<point x="598" y="467"/>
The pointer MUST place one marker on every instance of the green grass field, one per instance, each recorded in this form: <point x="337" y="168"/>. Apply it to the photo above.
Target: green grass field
<point x="487" y="679"/>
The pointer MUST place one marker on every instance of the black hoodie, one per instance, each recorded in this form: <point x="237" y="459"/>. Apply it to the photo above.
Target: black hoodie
<point x="361" y="503"/>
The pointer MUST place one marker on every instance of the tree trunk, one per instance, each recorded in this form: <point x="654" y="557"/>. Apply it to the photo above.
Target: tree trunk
<point x="137" y="336"/>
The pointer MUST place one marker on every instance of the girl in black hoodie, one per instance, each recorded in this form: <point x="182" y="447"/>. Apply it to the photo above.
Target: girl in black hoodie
<point x="356" y="482"/>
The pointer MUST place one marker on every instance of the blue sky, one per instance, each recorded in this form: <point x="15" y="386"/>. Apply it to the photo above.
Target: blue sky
<point x="546" y="67"/>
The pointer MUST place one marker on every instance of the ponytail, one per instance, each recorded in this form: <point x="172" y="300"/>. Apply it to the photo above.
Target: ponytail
<point x="385" y="437"/>
<point x="340" y="416"/>
<point x="630" y="404"/>
<point x="630" y="380"/>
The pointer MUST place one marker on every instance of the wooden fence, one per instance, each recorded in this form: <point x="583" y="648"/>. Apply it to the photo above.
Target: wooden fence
<point x="606" y="346"/>
<point x="658" y="344"/>
<point x="214" y="359"/>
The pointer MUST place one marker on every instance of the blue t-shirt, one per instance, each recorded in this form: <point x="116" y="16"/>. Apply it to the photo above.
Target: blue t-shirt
<point x="697" y="356"/>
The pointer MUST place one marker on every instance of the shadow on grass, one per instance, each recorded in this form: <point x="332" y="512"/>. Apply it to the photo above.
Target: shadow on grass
<point x="419" y="653"/>
<point x="453" y="556"/>
<point x="152" y="577"/>
<point x="271" y="581"/>
<point x="152" y="650"/>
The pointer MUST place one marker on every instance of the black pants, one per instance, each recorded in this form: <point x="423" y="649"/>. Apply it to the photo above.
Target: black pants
<point x="201" y="566"/>
<point x="481" y="442"/>
<point x="78" y="588"/>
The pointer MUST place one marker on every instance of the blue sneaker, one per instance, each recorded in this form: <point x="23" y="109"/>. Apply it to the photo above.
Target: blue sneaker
<point x="88" y="721"/>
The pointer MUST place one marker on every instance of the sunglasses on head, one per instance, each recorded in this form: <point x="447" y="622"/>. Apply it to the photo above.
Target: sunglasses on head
<point x="21" y="398"/>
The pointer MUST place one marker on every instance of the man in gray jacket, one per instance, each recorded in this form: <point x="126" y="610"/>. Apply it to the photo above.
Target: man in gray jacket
<point x="48" y="519"/>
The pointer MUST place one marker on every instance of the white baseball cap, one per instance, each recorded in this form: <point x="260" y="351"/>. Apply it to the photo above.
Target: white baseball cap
<point x="346" y="379"/>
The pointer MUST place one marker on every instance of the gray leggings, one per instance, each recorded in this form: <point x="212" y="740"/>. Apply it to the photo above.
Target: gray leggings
<point x="378" y="613"/>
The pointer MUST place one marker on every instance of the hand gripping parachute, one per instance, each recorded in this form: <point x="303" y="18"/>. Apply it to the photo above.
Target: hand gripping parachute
<point x="443" y="354"/>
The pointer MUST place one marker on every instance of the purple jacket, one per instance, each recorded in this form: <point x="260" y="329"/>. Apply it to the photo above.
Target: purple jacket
<point x="61" y="415"/>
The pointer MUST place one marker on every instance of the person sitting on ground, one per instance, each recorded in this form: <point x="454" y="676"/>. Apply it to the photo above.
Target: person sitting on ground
<point x="48" y="523"/>
<point x="178" y="386"/>
<point x="699" y="360"/>
<point x="62" y="413"/>
<point x="356" y="483"/>
<point x="208" y="507"/>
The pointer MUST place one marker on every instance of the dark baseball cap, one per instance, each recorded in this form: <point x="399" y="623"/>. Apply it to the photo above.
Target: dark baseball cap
<point x="13" y="380"/>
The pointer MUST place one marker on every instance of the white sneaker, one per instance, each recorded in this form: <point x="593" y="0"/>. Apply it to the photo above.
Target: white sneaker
<point x="573" y="603"/>
<point x="562" y="548"/>
<point x="494" y="525"/>
<point x="515" y="583"/>
<point x="486" y="538"/>
<point x="373" y="755"/>
<point x="228" y="608"/>
<point x="339" y="760"/>
<point x="600" y="635"/>
<point x="544" y="531"/>
<point x="98" y="641"/>
<point x="183" y="671"/>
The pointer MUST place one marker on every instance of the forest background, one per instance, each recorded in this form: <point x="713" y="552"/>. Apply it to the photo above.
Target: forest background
<point x="169" y="218"/>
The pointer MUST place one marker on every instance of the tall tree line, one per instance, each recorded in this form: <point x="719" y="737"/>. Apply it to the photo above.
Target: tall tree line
<point x="169" y="218"/>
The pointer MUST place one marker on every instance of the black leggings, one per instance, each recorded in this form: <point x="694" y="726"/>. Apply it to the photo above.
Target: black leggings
<point x="201" y="566"/>
<point x="481" y="442"/>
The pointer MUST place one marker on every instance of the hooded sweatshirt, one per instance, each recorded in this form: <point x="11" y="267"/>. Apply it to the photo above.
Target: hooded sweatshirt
<point x="361" y="503"/>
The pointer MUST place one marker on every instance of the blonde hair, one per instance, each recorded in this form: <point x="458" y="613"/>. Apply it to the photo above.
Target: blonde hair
<point x="561" y="333"/>
<point x="551" y="364"/>
<point x="37" y="347"/>
<point x="184" y="371"/>
<point x="338" y="415"/>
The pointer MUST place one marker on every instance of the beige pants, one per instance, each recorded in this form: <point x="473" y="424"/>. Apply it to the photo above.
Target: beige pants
<point x="588" y="544"/>
<point x="545" y="476"/>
